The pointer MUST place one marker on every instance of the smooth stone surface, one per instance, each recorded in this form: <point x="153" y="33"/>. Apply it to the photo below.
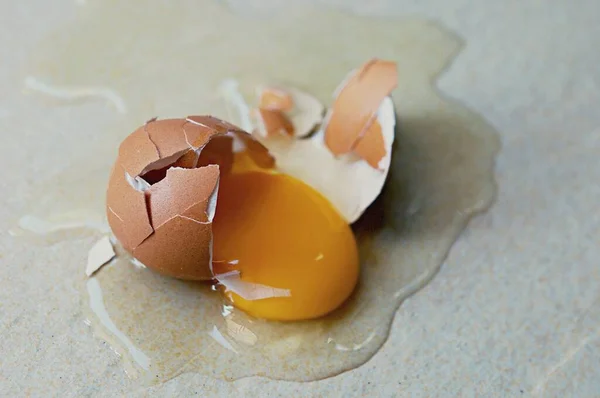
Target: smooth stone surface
<point x="513" y="311"/>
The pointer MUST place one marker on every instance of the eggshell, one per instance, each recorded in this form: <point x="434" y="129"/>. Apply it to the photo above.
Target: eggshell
<point x="371" y="147"/>
<point x="168" y="136"/>
<point x="181" y="248"/>
<point x="300" y="112"/>
<point x="100" y="254"/>
<point x="179" y="191"/>
<point x="232" y="282"/>
<point x="126" y="210"/>
<point x="347" y="159"/>
<point x="347" y="181"/>
<point x="219" y="150"/>
<point x="137" y="151"/>
<point x="273" y="98"/>
<point x="273" y="121"/>
<point x="163" y="189"/>
<point x="357" y="102"/>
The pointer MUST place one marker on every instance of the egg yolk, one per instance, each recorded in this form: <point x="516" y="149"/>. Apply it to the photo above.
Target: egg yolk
<point x="277" y="231"/>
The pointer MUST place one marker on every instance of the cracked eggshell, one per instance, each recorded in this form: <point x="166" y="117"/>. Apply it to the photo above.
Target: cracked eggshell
<point x="356" y="103"/>
<point x="270" y="122"/>
<point x="162" y="192"/>
<point x="350" y="183"/>
<point x="348" y="158"/>
<point x="299" y="112"/>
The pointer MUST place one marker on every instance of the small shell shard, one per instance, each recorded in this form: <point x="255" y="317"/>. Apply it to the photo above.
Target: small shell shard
<point x="347" y="159"/>
<point x="290" y="109"/>
<point x="100" y="254"/>
<point x="233" y="282"/>
<point x="273" y="122"/>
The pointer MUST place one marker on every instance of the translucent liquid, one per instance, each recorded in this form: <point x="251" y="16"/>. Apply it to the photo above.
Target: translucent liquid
<point x="170" y="64"/>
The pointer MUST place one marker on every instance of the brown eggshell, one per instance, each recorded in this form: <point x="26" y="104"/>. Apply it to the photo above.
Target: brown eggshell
<point x="371" y="147"/>
<point x="220" y="126"/>
<point x="198" y="211"/>
<point x="356" y="104"/>
<point x="180" y="248"/>
<point x="197" y="135"/>
<point x="219" y="150"/>
<point x="257" y="151"/>
<point x="179" y="191"/>
<point x="272" y="98"/>
<point x="163" y="189"/>
<point x="99" y="255"/>
<point x="259" y="154"/>
<point x="290" y="109"/>
<point x="168" y="136"/>
<point x="126" y="210"/>
<point x="273" y="122"/>
<point x="137" y="151"/>
<point x="188" y="160"/>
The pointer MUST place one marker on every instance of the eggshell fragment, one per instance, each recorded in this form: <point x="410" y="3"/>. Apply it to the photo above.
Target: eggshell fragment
<point x="371" y="147"/>
<point x="100" y="254"/>
<point x="233" y="282"/>
<point x="163" y="188"/>
<point x="347" y="181"/>
<point x="181" y="248"/>
<point x="137" y="151"/>
<point x="347" y="159"/>
<point x="219" y="150"/>
<point x="180" y="191"/>
<point x="353" y="109"/>
<point x="301" y="111"/>
<point x="272" y="98"/>
<point x="126" y="210"/>
<point x="272" y="121"/>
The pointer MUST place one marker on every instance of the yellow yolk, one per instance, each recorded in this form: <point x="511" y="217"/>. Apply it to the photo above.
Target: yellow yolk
<point x="277" y="231"/>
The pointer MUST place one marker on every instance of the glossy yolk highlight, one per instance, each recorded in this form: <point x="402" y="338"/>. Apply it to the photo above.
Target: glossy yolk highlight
<point x="278" y="231"/>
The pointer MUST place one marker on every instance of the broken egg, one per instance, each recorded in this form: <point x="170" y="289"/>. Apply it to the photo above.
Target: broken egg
<point x="162" y="192"/>
<point x="348" y="158"/>
<point x="266" y="215"/>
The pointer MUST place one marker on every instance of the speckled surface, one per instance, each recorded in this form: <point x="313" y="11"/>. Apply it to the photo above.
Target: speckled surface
<point x="513" y="311"/>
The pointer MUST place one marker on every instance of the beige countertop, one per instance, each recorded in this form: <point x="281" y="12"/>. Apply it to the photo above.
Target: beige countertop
<point x="513" y="311"/>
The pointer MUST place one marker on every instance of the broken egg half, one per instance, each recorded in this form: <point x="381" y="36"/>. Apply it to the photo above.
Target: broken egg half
<point x="264" y="213"/>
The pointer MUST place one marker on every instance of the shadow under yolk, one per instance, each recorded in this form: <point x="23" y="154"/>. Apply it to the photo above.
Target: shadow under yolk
<point x="278" y="231"/>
